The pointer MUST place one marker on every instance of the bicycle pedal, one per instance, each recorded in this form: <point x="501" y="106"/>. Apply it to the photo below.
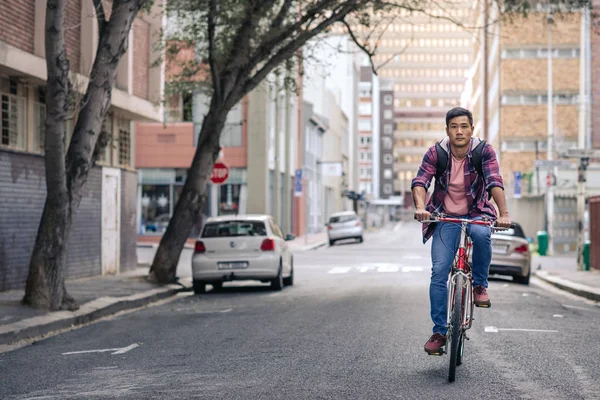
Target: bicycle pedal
<point x="439" y="353"/>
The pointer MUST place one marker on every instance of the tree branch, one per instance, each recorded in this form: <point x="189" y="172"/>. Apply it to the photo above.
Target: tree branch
<point x="100" y="16"/>
<point x="278" y="20"/>
<point x="290" y="48"/>
<point x="212" y="12"/>
<point x="361" y="46"/>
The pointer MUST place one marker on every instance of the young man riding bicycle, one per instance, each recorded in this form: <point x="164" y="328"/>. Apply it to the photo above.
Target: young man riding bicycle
<point x="463" y="188"/>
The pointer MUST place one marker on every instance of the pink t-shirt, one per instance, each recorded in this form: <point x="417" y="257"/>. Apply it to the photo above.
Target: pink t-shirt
<point x="455" y="201"/>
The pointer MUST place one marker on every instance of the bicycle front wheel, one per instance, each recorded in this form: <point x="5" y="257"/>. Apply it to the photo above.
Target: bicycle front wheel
<point x="456" y="326"/>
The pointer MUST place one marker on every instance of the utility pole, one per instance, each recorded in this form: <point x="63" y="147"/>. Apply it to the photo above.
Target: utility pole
<point x="550" y="189"/>
<point x="276" y="212"/>
<point x="583" y="164"/>
<point x="287" y="201"/>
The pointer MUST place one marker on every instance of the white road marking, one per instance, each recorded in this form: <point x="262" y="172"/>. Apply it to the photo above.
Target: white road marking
<point x="412" y="269"/>
<point x="493" y="329"/>
<point x="557" y="316"/>
<point x="340" y="270"/>
<point x="387" y="268"/>
<point x="122" y="350"/>
<point x="365" y="269"/>
<point x="525" y="294"/>
<point x="505" y="285"/>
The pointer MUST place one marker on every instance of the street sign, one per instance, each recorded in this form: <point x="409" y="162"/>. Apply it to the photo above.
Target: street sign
<point x="220" y="173"/>
<point x="552" y="163"/>
<point x="583" y="153"/>
<point x="518" y="181"/>
<point x="298" y="183"/>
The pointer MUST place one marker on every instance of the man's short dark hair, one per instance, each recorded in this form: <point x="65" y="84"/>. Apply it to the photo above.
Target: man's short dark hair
<point x="458" y="112"/>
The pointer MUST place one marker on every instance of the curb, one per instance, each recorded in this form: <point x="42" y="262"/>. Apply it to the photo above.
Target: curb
<point x="568" y="286"/>
<point x="91" y="311"/>
<point x="316" y="245"/>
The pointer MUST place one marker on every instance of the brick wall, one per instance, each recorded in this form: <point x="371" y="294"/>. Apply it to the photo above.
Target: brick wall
<point x="526" y="75"/>
<point x="141" y="58"/>
<point x="528" y="121"/>
<point x="533" y="30"/>
<point x="22" y="196"/>
<point x="128" y="220"/>
<point x="17" y="21"/>
<point x="73" y="33"/>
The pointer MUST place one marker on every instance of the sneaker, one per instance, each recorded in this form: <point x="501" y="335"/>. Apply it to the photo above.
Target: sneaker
<point x="435" y="343"/>
<point x="481" y="297"/>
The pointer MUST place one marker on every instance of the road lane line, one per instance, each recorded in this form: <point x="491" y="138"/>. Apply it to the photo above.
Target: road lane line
<point x="121" y="350"/>
<point x="339" y="270"/>
<point x="493" y="329"/>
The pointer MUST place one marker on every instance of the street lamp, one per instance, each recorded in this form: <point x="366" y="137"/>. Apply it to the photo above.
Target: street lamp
<point x="550" y="190"/>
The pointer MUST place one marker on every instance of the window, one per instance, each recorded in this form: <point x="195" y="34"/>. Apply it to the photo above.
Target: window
<point x="387" y="143"/>
<point x="387" y="173"/>
<point x="388" y="129"/>
<point x="387" y="114"/>
<point x="387" y="188"/>
<point x="234" y="228"/>
<point x="364" y="109"/>
<point x="40" y="120"/>
<point x="388" y="99"/>
<point x="12" y="114"/>
<point x="540" y="52"/>
<point x="124" y="142"/>
<point x="364" y="125"/>
<point x="388" y="159"/>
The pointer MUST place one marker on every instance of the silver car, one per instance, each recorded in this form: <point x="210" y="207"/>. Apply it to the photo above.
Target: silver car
<point x="249" y="247"/>
<point x="511" y="254"/>
<point x="344" y="225"/>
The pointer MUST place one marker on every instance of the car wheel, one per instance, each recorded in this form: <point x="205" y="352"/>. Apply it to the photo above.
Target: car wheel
<point x="331" y="242"/>
<point x="199" y="287"/>
<point x="289" y="281"/>
<point x="523" y="280"/>
<point x="217" y="285"/>
<point x="360" y="239"/>
<point x="277" y="283"/>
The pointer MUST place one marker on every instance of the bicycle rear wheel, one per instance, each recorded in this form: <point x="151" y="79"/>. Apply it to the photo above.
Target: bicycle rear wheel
<point x="456" y="327"/>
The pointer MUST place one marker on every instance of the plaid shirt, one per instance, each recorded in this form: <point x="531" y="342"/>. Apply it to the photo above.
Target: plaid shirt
<point x="476" y="189"/>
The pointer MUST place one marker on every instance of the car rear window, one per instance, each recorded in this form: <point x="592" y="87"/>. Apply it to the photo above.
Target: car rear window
<point x="516" y="231"/>
<point x="234" y="228"/>
<point x="342" y="218"/>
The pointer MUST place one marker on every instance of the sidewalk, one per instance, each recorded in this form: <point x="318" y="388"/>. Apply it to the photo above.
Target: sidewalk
<point x="98" y="297"/>
<point x="561" y="271"/>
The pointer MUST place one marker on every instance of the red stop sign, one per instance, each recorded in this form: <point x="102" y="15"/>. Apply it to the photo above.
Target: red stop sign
<point x="220" y="173"/>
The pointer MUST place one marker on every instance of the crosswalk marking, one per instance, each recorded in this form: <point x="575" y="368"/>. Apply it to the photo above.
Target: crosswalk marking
<point x="381" y="268"/>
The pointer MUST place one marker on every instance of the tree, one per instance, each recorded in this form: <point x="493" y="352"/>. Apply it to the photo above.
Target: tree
<point x="67" y="169"/>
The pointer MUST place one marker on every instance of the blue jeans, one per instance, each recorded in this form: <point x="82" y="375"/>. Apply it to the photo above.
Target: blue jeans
<point x="443" y="249"/>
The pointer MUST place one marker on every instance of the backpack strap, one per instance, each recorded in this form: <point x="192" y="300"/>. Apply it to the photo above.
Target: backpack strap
<point x="442" y="161"/>
<point x="476" y="154"/>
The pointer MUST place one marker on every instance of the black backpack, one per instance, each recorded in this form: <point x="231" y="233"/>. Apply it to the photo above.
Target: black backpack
<point x="442" y="159"/>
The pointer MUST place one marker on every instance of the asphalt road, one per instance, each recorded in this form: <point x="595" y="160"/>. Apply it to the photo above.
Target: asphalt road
<point x="353" y="326"/>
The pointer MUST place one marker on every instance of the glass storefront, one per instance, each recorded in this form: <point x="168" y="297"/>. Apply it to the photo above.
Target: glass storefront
<point x="160" y="189"/>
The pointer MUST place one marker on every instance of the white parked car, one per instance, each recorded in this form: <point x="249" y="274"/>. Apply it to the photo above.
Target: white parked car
<point x="344" y="225"/>
<point x="246" y="247"/>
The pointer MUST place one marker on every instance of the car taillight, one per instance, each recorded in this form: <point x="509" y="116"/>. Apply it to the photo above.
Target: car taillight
<point x="329" y="227"/>
<point x="268" y="245"/>
<point x="357" y="223"/>
<point x="199" y="247"/>
<point x="522" y="249"/>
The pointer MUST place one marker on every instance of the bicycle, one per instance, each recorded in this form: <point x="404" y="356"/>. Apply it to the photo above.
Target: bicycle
<point x="459" y="315"/>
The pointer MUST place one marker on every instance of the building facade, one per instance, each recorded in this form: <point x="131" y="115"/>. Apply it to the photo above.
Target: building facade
<point x="104" y="231"/>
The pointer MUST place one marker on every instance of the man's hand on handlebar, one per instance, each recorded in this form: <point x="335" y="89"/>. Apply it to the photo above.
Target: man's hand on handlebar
<point x="422" y="214"/>
<point x="503" y="222"/>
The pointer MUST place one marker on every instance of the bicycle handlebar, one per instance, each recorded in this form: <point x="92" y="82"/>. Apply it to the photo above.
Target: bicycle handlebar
<point x="442" y="218"/>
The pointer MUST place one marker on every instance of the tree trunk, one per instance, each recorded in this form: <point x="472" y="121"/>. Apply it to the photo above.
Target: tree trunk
<point x="66" y="176"/>
<point x="192" y="199"/>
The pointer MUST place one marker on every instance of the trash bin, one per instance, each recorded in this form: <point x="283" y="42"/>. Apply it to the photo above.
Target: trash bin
<point x="586" y="256"/>
<point x="542" y="242"/>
